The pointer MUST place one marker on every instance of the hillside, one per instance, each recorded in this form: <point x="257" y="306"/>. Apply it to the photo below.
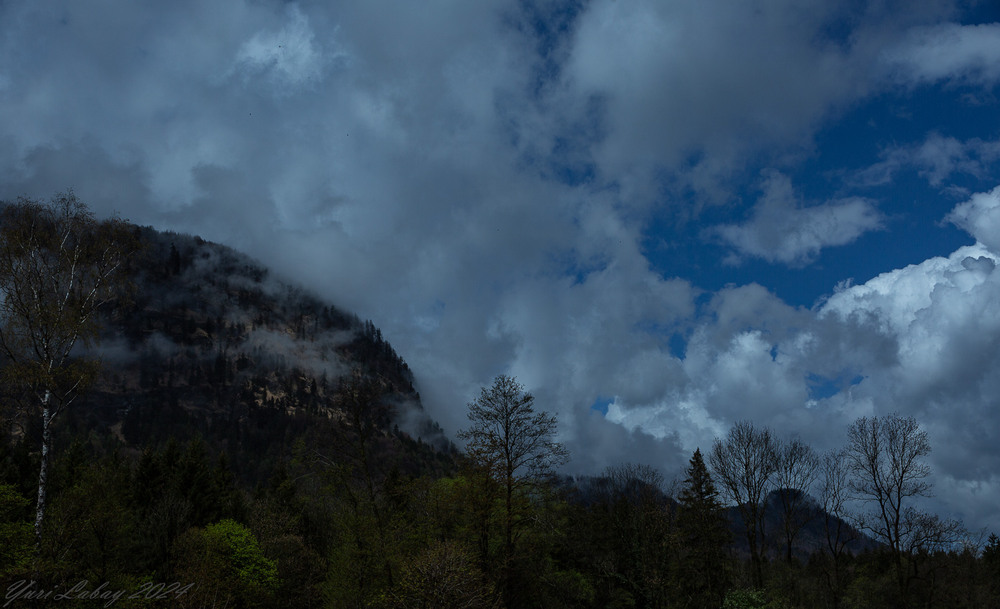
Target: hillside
<point x="811" y="534"/>
<point x="213" y="345"/>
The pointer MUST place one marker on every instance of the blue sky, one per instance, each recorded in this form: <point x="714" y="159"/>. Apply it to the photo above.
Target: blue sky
<point x="660" y="217"/>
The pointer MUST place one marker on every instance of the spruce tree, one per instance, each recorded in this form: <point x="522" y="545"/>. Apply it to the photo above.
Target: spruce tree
<point x="703" y="536"/>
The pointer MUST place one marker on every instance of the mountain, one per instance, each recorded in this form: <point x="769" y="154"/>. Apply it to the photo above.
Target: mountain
<point x="212" y="345"/>
<point x="811" y="536"/>
<point x="591" y="491"/>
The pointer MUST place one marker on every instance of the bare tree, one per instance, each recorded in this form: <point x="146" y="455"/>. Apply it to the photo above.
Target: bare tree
<point x="744" y="464"/>
<point x="58" y="266"/>
<point x="640" y="525"/>
<point x="885" y="456"/>
<point x="834" y="494"/>
<point x="514" y="444"/>
<point x="443" y="576"/>
<point x="796" y="469"/>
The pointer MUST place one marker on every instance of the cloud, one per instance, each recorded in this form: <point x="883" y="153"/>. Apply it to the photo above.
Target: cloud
<point x="691" y="90"/>
<point x="961" y="54"/>
<point x="782" y="230"/>
<point x="923" y="340"/>
<point x="751" y="356"/>
<point x="943" y="317"/>
<point x="288" y="55"/>
<point x="980" y="217"/>
<point x="936" y="159"/>
<point x="679" y="79"/>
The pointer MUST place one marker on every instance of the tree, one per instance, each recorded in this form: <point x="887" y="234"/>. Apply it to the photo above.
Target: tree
<point x="797" y="465"/>
<point x="744" y="464"/>
<point x="354" y="466"/>
<point x="226" y="565"/>
<point x="515" y="445"/>
<point x="703" y="535"/>
<point x="632" y="526"/>
<point x="58" y="266"/>
<point x="833" y="494"/>
<point x="991" y="553"/>
<point x="885" y="456"/>
<point x="90" y="527"/>
<point x="443" y="576"/>
<point x="991" y="562"/>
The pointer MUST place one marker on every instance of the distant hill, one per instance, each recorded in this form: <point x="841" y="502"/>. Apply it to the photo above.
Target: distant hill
<point x="213" y="345"/>
<point x="811" y="538"/>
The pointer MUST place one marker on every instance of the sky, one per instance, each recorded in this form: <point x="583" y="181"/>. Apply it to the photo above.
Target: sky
<point x="660" y="217"/>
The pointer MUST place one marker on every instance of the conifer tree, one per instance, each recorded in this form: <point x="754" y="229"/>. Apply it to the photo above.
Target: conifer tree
<point x="703" y="536"/>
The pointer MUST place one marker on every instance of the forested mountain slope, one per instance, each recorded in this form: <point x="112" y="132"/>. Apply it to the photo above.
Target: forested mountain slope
<point x="212" y="344"/>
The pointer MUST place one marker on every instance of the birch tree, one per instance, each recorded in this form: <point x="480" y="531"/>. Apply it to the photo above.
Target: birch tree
<point x="58" y="266"/>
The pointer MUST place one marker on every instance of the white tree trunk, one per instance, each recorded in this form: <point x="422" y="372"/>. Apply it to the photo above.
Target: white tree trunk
<point x="43" y="470"/>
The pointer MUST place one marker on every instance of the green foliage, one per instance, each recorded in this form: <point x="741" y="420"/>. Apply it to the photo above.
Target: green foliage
<point x="237" y="544"/>
<point x="226" y="564"/>
<point x="91" y="530"/>
<point x="749" y="598"/>
<point x="276" y="521"/>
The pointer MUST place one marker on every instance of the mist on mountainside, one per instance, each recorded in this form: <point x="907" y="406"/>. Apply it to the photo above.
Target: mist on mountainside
<point x="212" y="343"/>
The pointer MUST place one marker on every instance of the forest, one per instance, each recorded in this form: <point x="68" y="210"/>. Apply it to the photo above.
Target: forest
<point x="180" y="429"/>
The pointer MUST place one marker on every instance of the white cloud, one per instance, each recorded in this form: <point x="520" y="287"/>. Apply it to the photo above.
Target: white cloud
<point x="937" y="159"/>
<point x="942" y="314"/>
<point x="288" y="56"/>
<point x="782" y="230"/>
<point x="923" y="340"/>
<point x="980" y="217"/>
<point x="968" y="54"/>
